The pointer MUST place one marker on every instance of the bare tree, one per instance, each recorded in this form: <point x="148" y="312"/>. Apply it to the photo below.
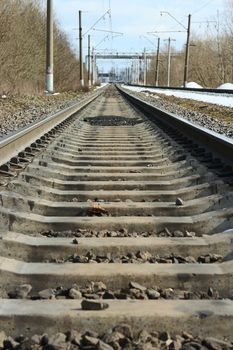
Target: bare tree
<point x="22" y="49"/>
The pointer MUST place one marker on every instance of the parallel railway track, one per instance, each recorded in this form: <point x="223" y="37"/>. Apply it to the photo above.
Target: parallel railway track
<point x="176" y="88"/>
<point x="122" y="198"/>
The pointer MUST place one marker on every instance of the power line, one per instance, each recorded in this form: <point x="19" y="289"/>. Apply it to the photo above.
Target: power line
<point x="202" y="7"/>
<point x="102" y="17"/>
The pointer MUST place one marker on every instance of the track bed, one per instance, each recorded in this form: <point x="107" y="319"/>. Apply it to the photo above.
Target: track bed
<point x="118" y="210"/>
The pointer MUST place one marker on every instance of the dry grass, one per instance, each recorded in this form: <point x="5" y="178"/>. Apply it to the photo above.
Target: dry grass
<point x="22" y="50"/>
<point x="211" y="55"/>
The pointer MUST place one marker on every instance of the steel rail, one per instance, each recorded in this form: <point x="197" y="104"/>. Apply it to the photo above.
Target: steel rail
<point x="214" y="91"/>
<point x="11" y="145"/>
<point x="222" y="146"/>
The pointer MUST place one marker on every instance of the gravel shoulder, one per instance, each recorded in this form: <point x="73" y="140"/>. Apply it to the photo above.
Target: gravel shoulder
<point x="119" y="337"/>
<point x="214" y="117"/>
<point x="17" y="112"/>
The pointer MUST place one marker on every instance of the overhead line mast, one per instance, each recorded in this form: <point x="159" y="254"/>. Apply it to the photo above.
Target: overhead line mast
<point x="49" y="48"/>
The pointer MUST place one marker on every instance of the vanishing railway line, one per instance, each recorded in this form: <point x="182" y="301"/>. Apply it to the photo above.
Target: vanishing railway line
<point x="202" y="90"/>
<point x="117" y="207"/>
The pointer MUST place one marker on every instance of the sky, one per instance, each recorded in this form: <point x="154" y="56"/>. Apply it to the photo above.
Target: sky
<point x="135" y="19"/>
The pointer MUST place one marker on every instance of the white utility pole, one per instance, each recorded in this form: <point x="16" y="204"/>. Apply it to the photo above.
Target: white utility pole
<point x="49" y="48"/>
<point x="169" y="63"/>
<point x="157" y="64"/>
<point x="145" y="67"/>
<point x="169" y="40"/>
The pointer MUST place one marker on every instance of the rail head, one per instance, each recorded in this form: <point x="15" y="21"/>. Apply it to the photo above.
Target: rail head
<point x="221" y="145"/>
<point x="11" y="145"/>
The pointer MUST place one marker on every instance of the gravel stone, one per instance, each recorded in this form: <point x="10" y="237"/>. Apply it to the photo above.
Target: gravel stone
<point x="175" y="345"/>
<point x="74" y="337"/>
<point x="113" y="338"/>
<point x="164" y="336"/>
<point x="139" y="257"/>
<point x="44" y="339"/>
<point x="106" y="233"/>
<point x="98" y="286"/>
<point x="36" y="339"/>
<point x="178" y="233"/>
<point x="10" y="343"/>
<point x="108" y="295"/>
<point x="144" y="336"/>
<point x="93" y="305"/>
<point x="124" y="329"/>
<point x="215" y="344"/>
<point x="193" y="345"/>
<point x="112" y="121"/>
<point x="168" y="293"/>
<point x="57" y="339"/>
<point x="90" y="341"/>
<point x="119" y="337"/>
<point x="153" y="294"/>
<point x="17" y="112"/>
<point x="187" y="335"/>
<point x="21" y="292"/>
<point x="47" y="294"/>
<point x="136" y="285"/>
<point x="179" y="201"/>
<point x="103" y="346"/>
<point x="75" y="294"/>
<point x="3" y="337"/>
<point x="98" y="291"/>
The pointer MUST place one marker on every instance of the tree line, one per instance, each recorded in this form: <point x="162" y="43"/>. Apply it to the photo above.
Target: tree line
<point x="23" y="50"/>
<point x="211" y="56"/>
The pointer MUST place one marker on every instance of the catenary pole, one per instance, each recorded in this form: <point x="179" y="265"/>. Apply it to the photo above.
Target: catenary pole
<point x="49" y="48"/>
<point x="186" y="65"/>
<point x="144" y="67"/>
<point x="93" y="66"/>
<point x="157" y="64"/>
<point x="89" y="60"/>
<point x="80" y="50"/>
<point x="169" y="40"/>
<point x="169" y="62"/>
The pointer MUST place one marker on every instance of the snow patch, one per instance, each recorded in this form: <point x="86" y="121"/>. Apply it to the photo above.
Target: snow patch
<point x="193" y="85"/>
<point x="226" y="86"/>
<point x="101" y="85"/>
<point x="218" y="99"/>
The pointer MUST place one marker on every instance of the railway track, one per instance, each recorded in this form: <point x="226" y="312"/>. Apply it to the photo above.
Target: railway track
<point x="126" y="213"/>
<point x="202" y="90"/>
